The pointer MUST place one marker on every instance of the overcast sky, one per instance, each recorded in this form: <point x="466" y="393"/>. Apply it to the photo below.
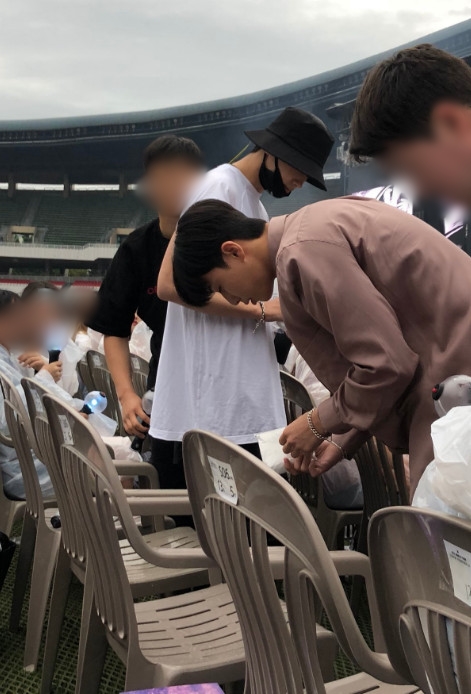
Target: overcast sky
<point x="67" y="57"/>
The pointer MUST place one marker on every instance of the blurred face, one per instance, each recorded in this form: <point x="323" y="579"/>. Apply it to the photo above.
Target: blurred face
<point x="439" y="165"/>
<point x="247" y="277"/>
<point x="292" y="178"/>
<point x="166" y="186"/>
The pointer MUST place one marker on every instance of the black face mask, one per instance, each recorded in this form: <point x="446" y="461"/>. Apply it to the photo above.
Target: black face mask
<point x="271" y="180"/>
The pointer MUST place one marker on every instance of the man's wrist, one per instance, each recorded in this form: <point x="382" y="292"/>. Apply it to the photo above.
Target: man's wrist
<point x="316" y="425"/>
<point x="122" y="395"/>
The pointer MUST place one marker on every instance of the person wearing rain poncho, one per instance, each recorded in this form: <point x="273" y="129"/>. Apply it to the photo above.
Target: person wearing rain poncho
<point x="10" y="367"/>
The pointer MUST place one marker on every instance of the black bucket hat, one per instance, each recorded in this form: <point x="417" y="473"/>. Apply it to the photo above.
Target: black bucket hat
<point x="300" y="139"/>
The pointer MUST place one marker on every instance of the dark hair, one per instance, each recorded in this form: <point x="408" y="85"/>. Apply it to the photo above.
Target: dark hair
<point x="200" y="234"/>
<point x="398" y="95"/>
<point x="33" y="287"/>
<point x="171" y="147"/>
<point x="7" y="298"/>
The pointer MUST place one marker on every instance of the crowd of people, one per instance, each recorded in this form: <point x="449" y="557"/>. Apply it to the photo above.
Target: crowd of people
<point x="375" y="302"/>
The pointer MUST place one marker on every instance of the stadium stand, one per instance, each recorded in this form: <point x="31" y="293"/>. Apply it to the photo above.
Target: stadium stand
<point x="85" y="217"/>
<point x="100" y="150"/>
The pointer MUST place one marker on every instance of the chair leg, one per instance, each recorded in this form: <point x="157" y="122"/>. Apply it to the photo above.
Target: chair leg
<point x="45" y="558"/>
<point x="92" y="648"/>
<point x="57" y="605"/>
<point x="25" y="560"/>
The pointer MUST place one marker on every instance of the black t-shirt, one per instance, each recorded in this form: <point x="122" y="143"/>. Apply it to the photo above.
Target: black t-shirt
<point x="129" y="287"/>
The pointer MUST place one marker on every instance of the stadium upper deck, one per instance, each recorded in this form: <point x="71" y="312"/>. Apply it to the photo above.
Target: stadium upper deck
<point x="108" y="148"/>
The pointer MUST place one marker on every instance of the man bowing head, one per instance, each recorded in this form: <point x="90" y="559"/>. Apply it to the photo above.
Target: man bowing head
<point x="376" y="301"/>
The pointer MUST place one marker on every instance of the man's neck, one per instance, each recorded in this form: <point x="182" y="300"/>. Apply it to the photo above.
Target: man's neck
<point x="250" y="167"/>
<point x="167" y="225"/>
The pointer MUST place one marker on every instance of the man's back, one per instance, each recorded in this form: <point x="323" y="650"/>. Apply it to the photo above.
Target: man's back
<point x="425" y="279"/>
<point x="378" y="303"/>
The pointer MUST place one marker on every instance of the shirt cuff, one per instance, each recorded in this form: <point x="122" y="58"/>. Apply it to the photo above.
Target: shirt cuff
<point x="330" y="418"/>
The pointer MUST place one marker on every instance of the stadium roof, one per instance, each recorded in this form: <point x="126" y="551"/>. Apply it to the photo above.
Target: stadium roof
<point x="98" y="148"/>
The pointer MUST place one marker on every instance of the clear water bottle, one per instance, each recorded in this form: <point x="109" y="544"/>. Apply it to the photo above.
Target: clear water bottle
<point x="147" y="401"/>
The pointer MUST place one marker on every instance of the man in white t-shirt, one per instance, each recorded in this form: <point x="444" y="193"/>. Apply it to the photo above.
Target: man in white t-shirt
<point x="218" y="369"/>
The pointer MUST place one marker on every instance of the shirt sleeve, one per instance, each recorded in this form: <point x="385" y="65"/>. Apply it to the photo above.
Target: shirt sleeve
<point x="339" y="296"/>
<point x="118" y="296"/>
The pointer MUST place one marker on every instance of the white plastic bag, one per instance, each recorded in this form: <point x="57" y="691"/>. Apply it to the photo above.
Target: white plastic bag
<point x="271" y="449"/>
<point x="446" y="483"/>
<point x="121" y="446"/>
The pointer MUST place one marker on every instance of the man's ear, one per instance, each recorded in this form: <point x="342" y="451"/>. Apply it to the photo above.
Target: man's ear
<point x="233" y="250"/>
<point x="450" y="116"/>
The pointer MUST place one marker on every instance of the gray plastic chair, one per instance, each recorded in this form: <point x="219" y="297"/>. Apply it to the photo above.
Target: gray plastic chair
<point x="410" y="563"/>
<point x="139" y="374"/>
<point x="144" y="578"/>
<point x="40" y="542"/>
<point x="231" y="487"/>
<point x="426" y="632"/>
<point x="188" y="638"/>
<point x="103" y="382"/>
<point x="330" y="521"/>
<point x="84" y="373"/>
<point x="11" y="510"/>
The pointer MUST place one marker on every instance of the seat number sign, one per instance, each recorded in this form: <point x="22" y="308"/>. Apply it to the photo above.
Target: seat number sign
<point x="224" y="482"/>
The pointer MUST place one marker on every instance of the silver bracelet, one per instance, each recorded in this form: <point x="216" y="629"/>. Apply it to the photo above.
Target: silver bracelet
<point x="316" y="433"/>
<point x="334" y="443"/>
<point x="261" y="319"/>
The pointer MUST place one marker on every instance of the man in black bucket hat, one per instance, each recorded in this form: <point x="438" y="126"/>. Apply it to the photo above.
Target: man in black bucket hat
<point x="296" y="139"/>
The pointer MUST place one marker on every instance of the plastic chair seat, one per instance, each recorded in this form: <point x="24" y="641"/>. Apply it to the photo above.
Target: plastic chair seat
<point x="197" y="630"/>
<point x="142" y="574"/>
<point x="362" y="683"/>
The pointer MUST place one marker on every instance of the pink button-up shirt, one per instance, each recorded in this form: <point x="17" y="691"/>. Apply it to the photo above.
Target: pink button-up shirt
<point x="379" y="305"/>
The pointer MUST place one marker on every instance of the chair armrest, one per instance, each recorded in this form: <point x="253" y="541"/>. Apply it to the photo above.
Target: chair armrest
<point x="138" y="469"/>
<point x="350" y="563"/>
<point x="159" y="502"/>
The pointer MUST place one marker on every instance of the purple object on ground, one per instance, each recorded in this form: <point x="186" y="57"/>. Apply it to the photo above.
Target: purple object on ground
<point x="183" y="689"/>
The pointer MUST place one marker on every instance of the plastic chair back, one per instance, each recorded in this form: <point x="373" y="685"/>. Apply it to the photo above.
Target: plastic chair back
<point x="103" y="382"/>
<point x="21" y="432"/>
<point x="229" y="487"/>
<point x="437" y="642"/>
<point x="85" y="466"/>
<point x="414" y="557"/>
<point x="85" y="374"/>
<point x="139" y="374"/>
<point x="72" y="536"/>
<point x="297" y="401"/>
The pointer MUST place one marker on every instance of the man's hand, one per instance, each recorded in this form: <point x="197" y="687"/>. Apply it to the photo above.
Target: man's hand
<point x="327" y="455"/>
<point x="300" y="443"/>
<point x="33" y="360"/>
<point x="55" y="369"/>
<point x="272" y="311"/>
<point x="131" y="407"/>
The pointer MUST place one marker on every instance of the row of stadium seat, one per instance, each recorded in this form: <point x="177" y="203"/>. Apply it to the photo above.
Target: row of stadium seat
<point x="84" y="217"/>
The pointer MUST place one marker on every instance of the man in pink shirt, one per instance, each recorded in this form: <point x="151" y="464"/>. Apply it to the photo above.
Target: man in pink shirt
<point x="376" y="301"/>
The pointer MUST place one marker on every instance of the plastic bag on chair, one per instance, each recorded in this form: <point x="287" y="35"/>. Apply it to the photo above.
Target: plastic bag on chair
<point x="446" y="483"/>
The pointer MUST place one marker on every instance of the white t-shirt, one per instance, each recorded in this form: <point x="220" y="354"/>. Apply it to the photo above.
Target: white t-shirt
<point x="215" y="373"/>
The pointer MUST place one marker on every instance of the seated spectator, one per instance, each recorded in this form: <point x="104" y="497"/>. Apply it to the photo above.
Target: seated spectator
<point x="341" y="484"/>
<point x="70" y="354"/>
<point x="48" y="375"/>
